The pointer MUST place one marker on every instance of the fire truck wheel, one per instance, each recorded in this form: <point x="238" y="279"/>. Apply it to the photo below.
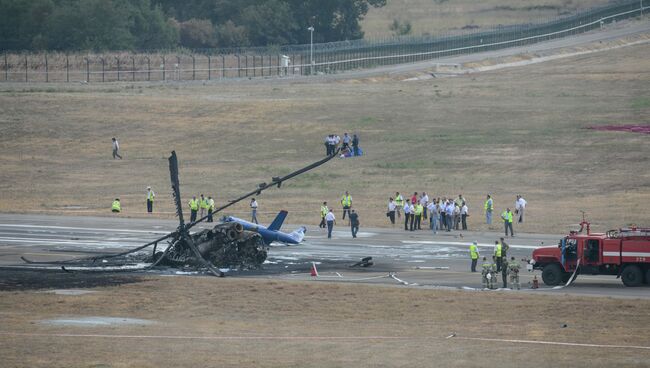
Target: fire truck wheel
<point x="552" y="274"/>
<point x="632" y="276"/>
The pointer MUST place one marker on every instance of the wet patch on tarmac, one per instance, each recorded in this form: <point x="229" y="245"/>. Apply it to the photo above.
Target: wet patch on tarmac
<point x="96" y="321"/>
<point x="31" y="279"/>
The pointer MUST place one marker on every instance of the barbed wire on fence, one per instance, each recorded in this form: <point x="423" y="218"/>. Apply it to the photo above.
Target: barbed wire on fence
<point x="326" y="58"/>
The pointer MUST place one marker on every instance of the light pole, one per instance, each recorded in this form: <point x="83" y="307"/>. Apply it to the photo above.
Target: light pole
<point x="311" y="50"/>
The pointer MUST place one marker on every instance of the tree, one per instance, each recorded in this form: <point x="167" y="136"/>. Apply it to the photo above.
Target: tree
<point x="197" y="33"/>
<point x="400" y="28"/>
<point x="270" y="23"/>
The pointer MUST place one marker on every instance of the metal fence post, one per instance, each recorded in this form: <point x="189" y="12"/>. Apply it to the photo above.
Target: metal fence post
<point x="118" y="67"/>
<point x="209" y="68"/>
<point x="6" y="68"/>
<point x="223" y="64"/>
<point x="103" y="69"/>
<point x="178" y="67"/>
<point x="246" y="64"/>
<point x="148" y="68"/>
<point x="133" y="68"/>
<point x="67" y="69"/>
<point x="193" y="67"/>
<point x="163" y="67"/>
<point x="26" y="79"/>
<point x="47" y="72"/>
<point x="238" y="66"/>
<point x="87" y="70"/>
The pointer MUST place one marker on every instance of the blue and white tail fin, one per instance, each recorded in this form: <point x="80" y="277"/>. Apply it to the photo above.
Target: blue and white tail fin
<point x="277" y="223"/>
<point x="299" y="234"/>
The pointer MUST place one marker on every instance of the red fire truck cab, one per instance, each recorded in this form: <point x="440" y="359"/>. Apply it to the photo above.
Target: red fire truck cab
<point x="624" y="253"/>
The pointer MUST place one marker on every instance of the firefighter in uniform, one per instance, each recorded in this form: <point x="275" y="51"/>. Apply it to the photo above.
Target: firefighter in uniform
<point x="116" y="207"/>
<point x="493" y="275"/>
<point x="487" y="266"/>
<point x="513" y="270"/>
<point x="194" y="208"/>
<point x="323" y="212"/>
<point x="504" y="272"/>
<point x="473" y="253"/>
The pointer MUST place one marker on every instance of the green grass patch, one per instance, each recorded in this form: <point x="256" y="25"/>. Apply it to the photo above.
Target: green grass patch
<point x="641" y="103"/>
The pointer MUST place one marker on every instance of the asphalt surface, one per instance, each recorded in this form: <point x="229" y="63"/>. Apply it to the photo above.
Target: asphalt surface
<point x="418" y="259"/>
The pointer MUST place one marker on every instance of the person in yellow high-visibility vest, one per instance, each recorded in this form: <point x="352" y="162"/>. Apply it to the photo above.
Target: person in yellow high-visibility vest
<point x="498" y="254"/>
<point x="194" y="208"/>
<point x="346" y="202"/>
<point x="399" y="203"/>
<point x="323" y="212"/>
<point x="489" y="207"/>
<point x="116" y="207"/>
<point x="418" y="215"/>
<point x="210" y="204"/>
<point x="203" y="206"/>
<point x="507" y="221"/>
<point x="474" y="255"/>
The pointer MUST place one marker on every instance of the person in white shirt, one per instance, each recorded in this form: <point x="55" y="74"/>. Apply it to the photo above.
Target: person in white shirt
<point x="412" y="216"/>
<point x="150" y="197"/>
<point x="520" y="208"/>
<point x="450" y="214"/>
<point x="330" y="220"/>
<point x="433" y="216"/>
<point x="254" y="211"/>
<point x="424" y="201"/>
<point x="407" y="214"/>
<point x="391" y="210"/>
<point x="463" y="215"/>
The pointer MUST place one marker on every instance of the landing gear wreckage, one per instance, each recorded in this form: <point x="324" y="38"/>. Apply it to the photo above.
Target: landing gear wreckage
<point x="225" y="245"/>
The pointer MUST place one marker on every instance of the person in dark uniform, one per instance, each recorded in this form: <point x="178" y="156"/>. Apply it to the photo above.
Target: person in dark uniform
<point x="354" y="223"/>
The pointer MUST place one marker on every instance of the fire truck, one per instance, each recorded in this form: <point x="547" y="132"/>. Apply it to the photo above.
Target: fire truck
<point x="624" y="253"/>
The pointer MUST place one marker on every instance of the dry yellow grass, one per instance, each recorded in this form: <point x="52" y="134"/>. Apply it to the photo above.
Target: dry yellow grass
<point x="519" y="130"/>
<point x="442" y="16"/>
<point x="290" y="313"/>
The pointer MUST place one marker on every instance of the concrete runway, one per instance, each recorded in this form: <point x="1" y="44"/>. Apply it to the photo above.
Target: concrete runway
<point x="412" y="256"/>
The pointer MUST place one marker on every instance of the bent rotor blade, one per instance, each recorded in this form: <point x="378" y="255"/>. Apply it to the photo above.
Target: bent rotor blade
<point x="176" y="193"/>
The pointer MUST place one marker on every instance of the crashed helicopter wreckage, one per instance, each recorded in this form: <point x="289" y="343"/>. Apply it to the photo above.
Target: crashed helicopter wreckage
<point x="226" y="245"/>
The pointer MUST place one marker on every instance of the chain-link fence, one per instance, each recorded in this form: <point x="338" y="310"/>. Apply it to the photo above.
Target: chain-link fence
<point x="307" y="59"/>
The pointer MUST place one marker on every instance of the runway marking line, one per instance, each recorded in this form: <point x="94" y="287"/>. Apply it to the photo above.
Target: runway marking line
<point x="379" y="337"/>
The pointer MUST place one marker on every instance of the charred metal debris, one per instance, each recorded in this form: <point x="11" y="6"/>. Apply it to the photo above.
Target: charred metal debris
<point x="226" y="245"/>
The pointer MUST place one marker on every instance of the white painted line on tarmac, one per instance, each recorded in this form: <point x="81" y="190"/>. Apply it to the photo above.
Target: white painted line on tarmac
<point x="84" y="229"/>
<point x="555" y="343"/>
<point x="466" y="244"/>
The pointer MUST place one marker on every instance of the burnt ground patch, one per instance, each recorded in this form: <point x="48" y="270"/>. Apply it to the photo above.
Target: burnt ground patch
<point x="29" y="279"/>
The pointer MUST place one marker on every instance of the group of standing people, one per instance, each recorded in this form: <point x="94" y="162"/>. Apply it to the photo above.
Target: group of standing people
<point x="447" y="214"/>
<point x="498" y="264"/>
<point x="347" y="144"/>
<point x="201" y="206"/>
<point x="442" y="213"/>
<point x="328" y="219"/>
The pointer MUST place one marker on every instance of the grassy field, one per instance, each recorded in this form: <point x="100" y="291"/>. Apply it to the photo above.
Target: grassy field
<point x="519" y="130"/>
<point x="443" y="16"/>
<point x="204" y="321"/>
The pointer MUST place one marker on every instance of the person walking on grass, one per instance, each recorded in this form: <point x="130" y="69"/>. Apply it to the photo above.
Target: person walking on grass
<point x="507" y="221"/>
<point x="489" y="207"/>
<point x="116" y="149"/>
<point x="254" y="211"/>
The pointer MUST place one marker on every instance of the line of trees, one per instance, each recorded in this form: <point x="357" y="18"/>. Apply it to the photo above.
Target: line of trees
<point x="164" y="24"/>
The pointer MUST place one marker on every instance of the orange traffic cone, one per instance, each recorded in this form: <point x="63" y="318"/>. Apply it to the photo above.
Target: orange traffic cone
<point x="314" y="271"/>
